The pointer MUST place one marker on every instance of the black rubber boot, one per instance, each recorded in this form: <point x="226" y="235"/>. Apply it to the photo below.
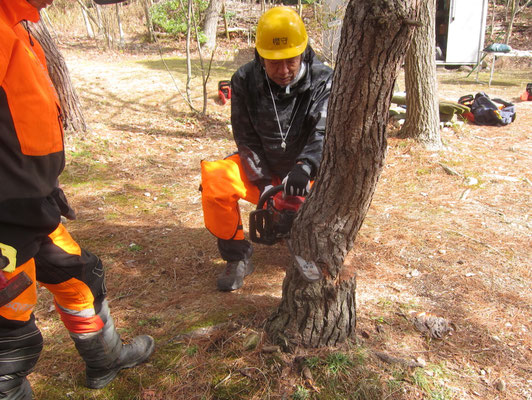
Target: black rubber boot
<point x="105" y="354"/>
<point x="20" y="392"/>
<point x="232" y="277"/>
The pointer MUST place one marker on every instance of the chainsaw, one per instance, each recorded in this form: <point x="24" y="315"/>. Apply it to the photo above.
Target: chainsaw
<point x="272" y="221"/>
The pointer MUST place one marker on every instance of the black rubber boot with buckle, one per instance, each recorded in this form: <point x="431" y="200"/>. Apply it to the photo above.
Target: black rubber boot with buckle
<point x="105" y="354"/>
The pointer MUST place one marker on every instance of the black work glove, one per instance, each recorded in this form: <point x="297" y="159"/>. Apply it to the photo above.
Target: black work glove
<point x="297" y="182"/>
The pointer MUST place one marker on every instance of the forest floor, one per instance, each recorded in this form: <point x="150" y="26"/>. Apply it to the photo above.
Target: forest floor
<point x="457" y="246"/>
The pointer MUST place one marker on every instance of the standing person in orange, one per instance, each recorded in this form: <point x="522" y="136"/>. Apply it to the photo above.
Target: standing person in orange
<point x="278" y="112"/>
<point x="34" y="245"/>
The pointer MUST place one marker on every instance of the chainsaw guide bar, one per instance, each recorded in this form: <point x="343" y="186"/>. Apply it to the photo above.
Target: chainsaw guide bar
<point x="308" y="269"/>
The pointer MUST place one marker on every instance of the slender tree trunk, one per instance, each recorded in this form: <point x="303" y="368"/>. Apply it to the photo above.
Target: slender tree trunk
<point x="70" y="105"/>
<point x="85" y="11"/>
<point x="375" y="36"/>
<point x="98" y="15"/>
<point x="189" y="65"/>
<point x="492" y="24"/>
<point x="88" y="26"/>
<point x="226" y="24"/>
<point x="149" y="23"/>
<point x="119" y="23"/>
<point x="509" y="27"/>
<point x="422" y="121"/>
<point x="210" y="26"/>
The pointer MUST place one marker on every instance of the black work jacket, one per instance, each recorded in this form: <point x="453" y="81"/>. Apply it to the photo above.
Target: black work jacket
<point x="255" y="127"/>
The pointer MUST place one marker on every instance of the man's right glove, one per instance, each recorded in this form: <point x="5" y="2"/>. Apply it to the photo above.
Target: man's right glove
<point x="297" y="182"/>
<point x="8" y="258"/>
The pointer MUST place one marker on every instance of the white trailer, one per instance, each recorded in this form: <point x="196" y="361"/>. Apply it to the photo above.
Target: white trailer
<point x="460" y="28"/>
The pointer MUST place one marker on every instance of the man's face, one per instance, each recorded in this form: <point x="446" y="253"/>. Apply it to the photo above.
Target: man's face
<point x="40" y="4"/>
<point x="283" y="71"/>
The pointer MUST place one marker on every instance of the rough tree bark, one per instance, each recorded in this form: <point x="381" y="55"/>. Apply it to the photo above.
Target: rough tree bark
<point x="210" y="26"/>
<point x="73" y="118"/>
<point x="422" y="121"/>
<point x="375" y="36"/>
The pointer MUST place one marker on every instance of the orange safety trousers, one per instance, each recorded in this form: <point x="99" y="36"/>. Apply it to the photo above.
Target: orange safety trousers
<point x="223" y="184"/>
<point x="74" y="276"/>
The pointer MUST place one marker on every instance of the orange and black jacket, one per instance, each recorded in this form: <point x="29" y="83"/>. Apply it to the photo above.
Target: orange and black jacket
<point x="31" y="135"/>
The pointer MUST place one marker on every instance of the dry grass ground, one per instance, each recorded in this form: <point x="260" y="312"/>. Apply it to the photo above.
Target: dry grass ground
<point x="457" y="246"/>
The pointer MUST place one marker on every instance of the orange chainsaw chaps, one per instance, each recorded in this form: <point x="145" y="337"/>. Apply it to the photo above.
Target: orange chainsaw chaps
<point x="21" y="307"/>
<point x="224" y="183"/>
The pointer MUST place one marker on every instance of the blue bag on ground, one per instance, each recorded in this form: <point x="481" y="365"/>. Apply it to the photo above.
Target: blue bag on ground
<point x="487" y="112"/>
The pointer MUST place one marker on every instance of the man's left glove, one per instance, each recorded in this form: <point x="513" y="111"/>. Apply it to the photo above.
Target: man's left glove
<point x="8" y="258"/>
<point x="297" y="182"/>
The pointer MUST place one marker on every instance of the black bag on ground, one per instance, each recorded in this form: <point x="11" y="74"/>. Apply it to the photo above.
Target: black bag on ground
<point x="487" y="112"/>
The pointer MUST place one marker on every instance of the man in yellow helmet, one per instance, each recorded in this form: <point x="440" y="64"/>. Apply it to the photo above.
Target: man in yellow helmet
<point x="278" y="111"/>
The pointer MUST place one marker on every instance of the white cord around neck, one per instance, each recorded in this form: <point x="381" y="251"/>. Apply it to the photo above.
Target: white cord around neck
<point x="284" y="135"/>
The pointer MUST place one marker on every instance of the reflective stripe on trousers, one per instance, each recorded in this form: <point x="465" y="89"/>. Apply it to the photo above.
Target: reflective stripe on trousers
<point x="76" y="279"/>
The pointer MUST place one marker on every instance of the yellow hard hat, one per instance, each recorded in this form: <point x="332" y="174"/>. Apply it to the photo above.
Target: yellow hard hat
<point x="280" y="34"/>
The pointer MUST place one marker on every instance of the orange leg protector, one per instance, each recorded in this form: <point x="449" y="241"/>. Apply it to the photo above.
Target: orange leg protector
<point x="76" y="279"/>
<point x="224" y="183"/>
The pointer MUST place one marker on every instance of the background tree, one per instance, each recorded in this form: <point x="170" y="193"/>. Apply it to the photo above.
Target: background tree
<point x="422" y="110"/>
<point x="70" y="105"/>
<point x="513" y="7"/>
<point x="375" y="36"/>
<point x="146" y="4"/>
<point x="210" y="24"/>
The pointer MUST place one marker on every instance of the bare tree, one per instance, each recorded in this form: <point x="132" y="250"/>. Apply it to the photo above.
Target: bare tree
<point x="70" y="105"/>
<point x="210" y="25"/>
<point x="86" y="20"/>
<point x="188" y="38"/>
<point x="514" y="7"/>
<point x="119" y="24"/>
<point x="146" y="4"/>
<point x="422" y="121"/>
<point x="375" y="36"/>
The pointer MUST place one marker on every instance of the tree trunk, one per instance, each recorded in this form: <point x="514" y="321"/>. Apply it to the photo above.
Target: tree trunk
<point x="210" y="26"/>
<point x="88" y="26"/>
<point x="187" y="46"/>
<point x="226" y="24"/>
<point x="492" y="24"/>
<point x="422" y="121"/>
<point x="57" y="69"/>
<point x="149" y="24"/>
<point x="509" y="27"/>
<point x="375" y="36"/>
<point x="119" y="23"/>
